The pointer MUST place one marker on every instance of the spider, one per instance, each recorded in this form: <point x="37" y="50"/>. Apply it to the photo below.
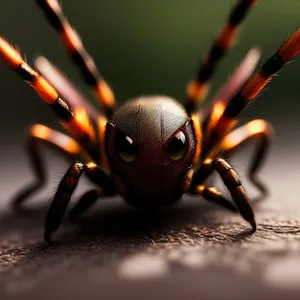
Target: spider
<point x="151" y="150"/>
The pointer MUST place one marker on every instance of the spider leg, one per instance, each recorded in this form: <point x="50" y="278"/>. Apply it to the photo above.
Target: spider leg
<point x="198" y="87"/>
<point x="77" y="122"/>
<point x="259" y="129"/>
<point x="65" y="190"/>
<point x="75" y="48"/>
<point x="196" y="122"/>
<point x="230" y="89"/>
<point x="235" y="187"/>
<point x="256" y="129"/>
<point x="64" y="87"/>
<point x="61" y="199"/>
<point x="40" y="133"/>
<point x="208" y="115"/>
<point x="226" y="120"/>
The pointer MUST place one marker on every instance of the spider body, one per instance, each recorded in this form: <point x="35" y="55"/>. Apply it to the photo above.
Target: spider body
<point x="151" y="146"/>
<point x="151" y="150"/>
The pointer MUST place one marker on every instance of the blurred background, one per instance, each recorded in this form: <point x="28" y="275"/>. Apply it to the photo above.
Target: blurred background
<point x="148" y="47"/>
<point x="151" y="47"/>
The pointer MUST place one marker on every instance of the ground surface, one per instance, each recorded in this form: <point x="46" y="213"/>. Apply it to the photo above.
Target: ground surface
<point x="194" y="250"/>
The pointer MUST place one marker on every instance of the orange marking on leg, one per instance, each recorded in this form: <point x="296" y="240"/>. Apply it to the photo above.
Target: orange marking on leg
<point x="200" y="189"/>
<point x="40" y="131"/>
<point x="56" y="138"/>
<point x="104" y="92"/>
<point x="291" y="47"/>
<point x="70" y="38"/>
<point x="66" y="143"/>
<point x="252" y="128"/>
<point x="44" y="89"/>
<point x="224" y="126"/>
<point x="53" y="4"/>
<point x="83" y="121"/>
<point x="196" y="91"/>
<point x="9" y="54"/>
<point x="233" y="139"/>
<point x="217" y="112"/>
<point x="198" y="137"/>
<point x="80" y="126"/>
<point x="255" y="86"/>
<point x="102" y="136"/>
<point x="227" y="36"/>
<point x="73" y="147"/>
<point x="256" y="126"/>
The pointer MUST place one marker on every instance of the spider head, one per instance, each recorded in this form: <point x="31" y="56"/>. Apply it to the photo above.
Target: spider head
<point x="150" y="144"/>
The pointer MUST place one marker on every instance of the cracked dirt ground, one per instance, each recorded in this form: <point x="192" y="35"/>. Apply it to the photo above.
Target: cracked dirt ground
<point x="193" y="249"/>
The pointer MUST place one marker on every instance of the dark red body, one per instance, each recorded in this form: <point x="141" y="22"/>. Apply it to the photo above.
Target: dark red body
<point x="152" y="179"/>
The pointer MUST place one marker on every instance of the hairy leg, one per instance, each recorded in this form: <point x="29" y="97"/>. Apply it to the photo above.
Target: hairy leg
<point x="198" y="87"/>
<point x="76" y="121"/>
<point x="81" y="57"/>
<point x="234" y="186"/>
<point x="42" y="134"/>
<point x="226" y="119"/>
<point x="64" y="87"/>
<point x="65" y="190"/>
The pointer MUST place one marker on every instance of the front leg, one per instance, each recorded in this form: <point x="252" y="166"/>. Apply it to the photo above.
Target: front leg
<point x="235" y="187"/>
<point x="65" y="190"/>
<point x="61" y="199"/>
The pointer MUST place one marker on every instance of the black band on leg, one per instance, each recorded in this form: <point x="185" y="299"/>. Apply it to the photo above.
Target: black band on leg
<point x="238" y="193"/>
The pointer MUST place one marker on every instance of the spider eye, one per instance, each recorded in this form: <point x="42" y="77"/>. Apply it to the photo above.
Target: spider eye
<point x="125" y="147"/>
<point x="177" y="146"/>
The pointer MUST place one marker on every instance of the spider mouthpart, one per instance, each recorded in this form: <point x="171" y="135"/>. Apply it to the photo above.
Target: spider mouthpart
<point x="125" y="147"/>
<point x="177" y="146"/>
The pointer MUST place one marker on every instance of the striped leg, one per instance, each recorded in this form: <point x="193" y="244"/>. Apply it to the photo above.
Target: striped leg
<point x="40" y="133"/>
<point x="235" y="187"/>
<point x="76" y="122"/>
<point x="225" y="121"/>
<point x="65" y="190"/>
<point x="198" y="88"/>
<point x="257" y="129"/>
<point x="64" y="87"/>
<point x="196" y="122"/>
<point x="75" y="48"/>
<point x="233" y="85"/>
<point x="61" y="199"/>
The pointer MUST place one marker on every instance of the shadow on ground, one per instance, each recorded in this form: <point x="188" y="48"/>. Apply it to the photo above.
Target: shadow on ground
<point x="114" y="219"/>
